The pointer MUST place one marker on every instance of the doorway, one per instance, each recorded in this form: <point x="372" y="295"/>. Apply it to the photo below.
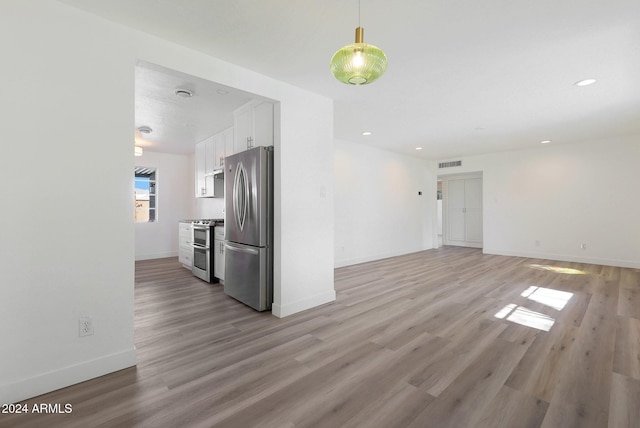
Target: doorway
<point x="462" y="210"/>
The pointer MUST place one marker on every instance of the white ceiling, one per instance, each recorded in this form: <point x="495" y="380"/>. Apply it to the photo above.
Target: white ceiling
<point x="464" y="76"/>
<point x="178" y="123"/>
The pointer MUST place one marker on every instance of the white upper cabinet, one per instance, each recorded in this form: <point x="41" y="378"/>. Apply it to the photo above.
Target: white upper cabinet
<point x="253" y="125"/>
<point x="200" y="167"/>
<point x="207" y="185"/>
<point x="223" y="147"/>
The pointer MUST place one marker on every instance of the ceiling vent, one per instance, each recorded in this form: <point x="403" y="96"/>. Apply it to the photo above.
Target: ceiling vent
<point x="449" y="164"/>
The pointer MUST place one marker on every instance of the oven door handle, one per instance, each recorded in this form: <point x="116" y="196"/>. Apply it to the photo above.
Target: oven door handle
<point x="200" y="247"/>
<point x="201" y="227"/>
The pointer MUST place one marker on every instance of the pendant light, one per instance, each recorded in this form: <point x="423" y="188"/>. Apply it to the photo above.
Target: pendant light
<point x="358" y="63"/>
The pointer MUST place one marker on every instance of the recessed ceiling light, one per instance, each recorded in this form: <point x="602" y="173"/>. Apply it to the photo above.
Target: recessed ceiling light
<point x="418" y="148"/>
<point x="145" y="130"/>
<point x="585" y="82"/>
<point x="366" y="133"/>
<point x="183" y="93"/>
<point x="545" y="142"/>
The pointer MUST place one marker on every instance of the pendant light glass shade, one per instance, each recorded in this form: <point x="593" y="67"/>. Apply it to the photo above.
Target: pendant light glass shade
<point x="358" y="63"/>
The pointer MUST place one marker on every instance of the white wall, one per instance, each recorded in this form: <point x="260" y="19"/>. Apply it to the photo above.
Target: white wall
<point x="378" y="212"/>
<point x="68" y="97"/>
<point x="304" y="228"/>
<point x="563" y="196"/>
<point x="174" y="185"/>
<point x="209" y="208"/>
<point x="559" y="195"/>
<point x="67" y="234"/>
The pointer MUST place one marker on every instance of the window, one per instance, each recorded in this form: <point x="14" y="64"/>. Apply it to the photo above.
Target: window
<point x="145" y="194"/>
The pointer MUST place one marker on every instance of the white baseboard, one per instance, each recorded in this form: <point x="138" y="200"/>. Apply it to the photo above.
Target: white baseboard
<point x="66" y="376"/>
<point x="371" y="258"/>
<point x="564" y="258"/>
<point x="156" y="256"/>
<point x="287" y="309"/>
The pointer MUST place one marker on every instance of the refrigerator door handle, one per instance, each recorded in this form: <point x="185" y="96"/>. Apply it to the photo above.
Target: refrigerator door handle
<point x="241" y="250"/>
<point x="240" y="196"/>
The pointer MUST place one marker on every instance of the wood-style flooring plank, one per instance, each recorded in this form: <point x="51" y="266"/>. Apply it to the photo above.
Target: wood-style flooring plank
<point x="511" y="408"/>
<point x="627" y="349"/>
<point x="624" y="411"/>
<point x="629" y="301"/>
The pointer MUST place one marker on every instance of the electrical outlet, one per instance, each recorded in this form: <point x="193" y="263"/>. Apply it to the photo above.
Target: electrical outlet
<point x="583" y="246"/>
<point x="85" y="326"/>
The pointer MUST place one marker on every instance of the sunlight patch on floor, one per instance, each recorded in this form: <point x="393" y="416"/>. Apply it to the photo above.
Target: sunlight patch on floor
<point x="558" y="269"/>
<point x="523" y="316"/>
<point x="555" y="299"/>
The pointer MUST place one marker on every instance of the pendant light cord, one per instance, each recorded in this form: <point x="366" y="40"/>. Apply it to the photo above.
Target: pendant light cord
<point x="359" y="13"/>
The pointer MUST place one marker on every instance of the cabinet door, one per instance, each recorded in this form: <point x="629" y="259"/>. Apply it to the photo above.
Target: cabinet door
<point x="218" y="151"/>
<point x="218" y="259"/>
<point x="205" y="165"/>
<point x="210" y="154"/>
<point x="263" y="124"/>
<point x="243" y="128"/>
<point x="228" y="142"/>
<point x="224" y="147"/>
<point x="209" y="166"/>
<point x="201" y="187"/>
<point x="185" y="250"/>
<point x="185" y="254"/>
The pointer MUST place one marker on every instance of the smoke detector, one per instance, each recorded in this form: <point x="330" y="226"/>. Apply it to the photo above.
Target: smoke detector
<point x="183" y="93"/>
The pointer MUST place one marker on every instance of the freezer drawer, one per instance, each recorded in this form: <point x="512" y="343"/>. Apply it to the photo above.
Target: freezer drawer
<point x="248" y="275"/>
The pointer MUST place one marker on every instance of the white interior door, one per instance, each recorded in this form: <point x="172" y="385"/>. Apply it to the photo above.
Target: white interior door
<point x="463" y="214"/>
<point x="473" y="210"/>
<point x="455" y="210"/>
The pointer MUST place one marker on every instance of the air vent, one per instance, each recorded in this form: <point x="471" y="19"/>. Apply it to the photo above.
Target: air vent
<point x="449" y="164"/>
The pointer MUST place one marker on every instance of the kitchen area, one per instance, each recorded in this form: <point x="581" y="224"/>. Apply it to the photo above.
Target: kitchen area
<point x="213" y="195"/>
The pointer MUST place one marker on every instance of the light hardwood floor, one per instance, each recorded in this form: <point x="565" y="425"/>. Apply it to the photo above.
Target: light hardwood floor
<point x="440" y="338"/>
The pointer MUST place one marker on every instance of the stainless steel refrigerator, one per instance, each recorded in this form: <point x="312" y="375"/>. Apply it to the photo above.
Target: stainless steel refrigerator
<point x="248" y="227"/>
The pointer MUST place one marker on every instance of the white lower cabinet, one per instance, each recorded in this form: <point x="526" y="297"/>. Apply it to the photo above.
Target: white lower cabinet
<point x="218" y="257"/>
<point x="185" y="239"/>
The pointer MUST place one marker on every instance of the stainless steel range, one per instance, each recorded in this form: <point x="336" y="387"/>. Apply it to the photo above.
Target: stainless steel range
<point x="203" y="237"/>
